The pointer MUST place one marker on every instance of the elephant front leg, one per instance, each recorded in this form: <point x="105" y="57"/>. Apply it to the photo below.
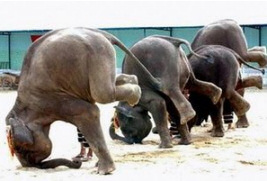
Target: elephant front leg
<point x="86" y="117"/>
<point x="179" y="130"/>
<point x="216" y="118"/>
<point x="242" y="121"/>
<point x="185" y="135"/>
<point x="156" y="105"/>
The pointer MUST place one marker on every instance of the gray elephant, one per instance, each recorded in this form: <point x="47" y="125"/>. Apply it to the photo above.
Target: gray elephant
<point x="165" y="60"/>
<point x="221" y="67"/>
<point x="64" y="74"/>
<point x="228" y="33"/>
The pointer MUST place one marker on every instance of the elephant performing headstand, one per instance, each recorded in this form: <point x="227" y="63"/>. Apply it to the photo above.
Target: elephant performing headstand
<point x="165" y="60"/>
<point x="221" y="67"/>
<point x="64" y="74"/>
<point x="228" y="33"/>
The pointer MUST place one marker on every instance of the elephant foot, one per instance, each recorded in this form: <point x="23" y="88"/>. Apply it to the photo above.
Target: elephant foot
<point x="125" y="78"/>
<point x="251" y="81"/>
<point x="263" y="63"/>
<point x="185" y="141"/>
<point x="242" y="122"/>
<point x="215" y="94"/>
<point x="217" y="132"/>
<point x="185" y="135"/>
<point x="133" y="98"/>
<point x="258" y="82"/>
<point x="105" y="168"/>
<point x="166" y="144"/>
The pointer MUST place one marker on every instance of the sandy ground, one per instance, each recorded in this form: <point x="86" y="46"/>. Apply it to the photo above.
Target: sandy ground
<point x="240" y="154"/>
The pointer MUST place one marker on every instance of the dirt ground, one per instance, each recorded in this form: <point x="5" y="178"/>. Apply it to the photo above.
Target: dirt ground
<point x="240" y="154"/>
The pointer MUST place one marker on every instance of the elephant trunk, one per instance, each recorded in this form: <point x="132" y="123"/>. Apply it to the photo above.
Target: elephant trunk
<point x="59" y="162"/>
<point x="114" y="136"/>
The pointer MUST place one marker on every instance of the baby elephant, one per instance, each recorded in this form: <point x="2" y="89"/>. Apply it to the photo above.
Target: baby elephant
<point x="221" y="67"/>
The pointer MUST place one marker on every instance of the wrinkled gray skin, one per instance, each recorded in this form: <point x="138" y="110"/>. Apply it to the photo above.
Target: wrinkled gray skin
<point x="165" y="60"/>
<point x="221" y="67"/>
<point x="63" y="75"/>
<point x="228" y="33"/>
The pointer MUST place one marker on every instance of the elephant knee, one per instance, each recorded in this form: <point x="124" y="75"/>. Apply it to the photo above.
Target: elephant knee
<point x="159" y="105"/>
<point x="228" y="93"/>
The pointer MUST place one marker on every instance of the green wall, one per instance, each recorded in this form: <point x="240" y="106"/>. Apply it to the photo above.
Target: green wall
<point x="252" y="36"/>
<point x="129" y="38"/>
<point x="264" y="36"/>
<point x="4" y="59"/>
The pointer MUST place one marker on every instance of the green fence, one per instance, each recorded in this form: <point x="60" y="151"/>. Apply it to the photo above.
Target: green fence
<point x="4" y="52"/>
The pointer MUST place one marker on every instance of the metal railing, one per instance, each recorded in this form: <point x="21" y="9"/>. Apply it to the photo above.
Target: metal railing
<point x="4" y="65"/>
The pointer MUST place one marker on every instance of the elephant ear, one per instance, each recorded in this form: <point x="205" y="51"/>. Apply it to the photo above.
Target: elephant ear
<point x="124" y="111"/>
<point x="20" y="133"/>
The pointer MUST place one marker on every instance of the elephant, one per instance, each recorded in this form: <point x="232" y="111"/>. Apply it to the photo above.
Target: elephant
<point x="166" y="61"/>
<point x="64" y="74"/>
<point x="228" y="33"/>
<point x="221" y="67"/>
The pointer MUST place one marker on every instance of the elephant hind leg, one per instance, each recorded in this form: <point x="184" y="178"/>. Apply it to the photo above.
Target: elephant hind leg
<point x="183" y="106"/>
<point x="251" y="81"/>
<point x="257" y="56"/>
<point x="124" y="89"/>
<point x="128" y="92"/>
<point x="86" y="116"/>
<point x="206" y="88"/>
<point x="239" y="104"/>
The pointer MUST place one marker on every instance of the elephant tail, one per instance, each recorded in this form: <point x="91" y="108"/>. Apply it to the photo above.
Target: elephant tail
<point x="178" y="41"/>
<point x="148" y="78"/>
<point x="241" y="60"/>
<point x="59" y="162"/>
